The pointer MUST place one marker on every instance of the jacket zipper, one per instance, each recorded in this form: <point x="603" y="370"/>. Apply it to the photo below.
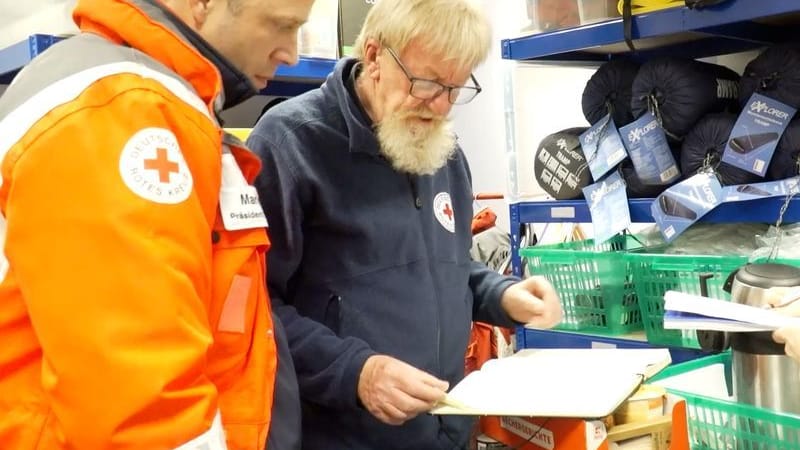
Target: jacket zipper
<point x="412" y="182"/>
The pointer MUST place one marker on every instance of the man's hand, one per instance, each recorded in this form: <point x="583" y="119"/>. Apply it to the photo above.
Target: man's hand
<point x="790" y="336"/>
<point x="395" y="392"/>
<point x="534" y="302"/>
<point x="783" y="300"/>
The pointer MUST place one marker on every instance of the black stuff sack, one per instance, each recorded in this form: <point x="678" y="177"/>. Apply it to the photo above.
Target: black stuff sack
<point x="634" y="186"/>
<point x="786" y="159"/>
<point x="704" y="146"/>
<point x="775" y="73"/>
<point x="560" y="166"/>
<point x="679" y="91"/>
<point x="609" y="90"/>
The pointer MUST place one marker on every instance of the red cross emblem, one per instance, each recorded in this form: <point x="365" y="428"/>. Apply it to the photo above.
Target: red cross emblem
<point x="447" y="211"/>
<point x="443" y="211"/>
<point x="162" y="164"/>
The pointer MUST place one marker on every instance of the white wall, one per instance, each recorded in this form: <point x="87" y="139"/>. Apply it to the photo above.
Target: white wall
<point x="546" y="98"/>
<point x="21" y="18"/>
<point x="479" y="124"/>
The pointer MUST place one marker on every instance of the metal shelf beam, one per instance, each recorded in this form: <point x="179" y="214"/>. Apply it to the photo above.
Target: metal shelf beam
<point x="728" y="20"/>
<point x="531" y="338"/>
<point x="760" y="210"/>
<point x="15" y="57"/>
<point x="307" y="74"/>
<point x="307" y="70"/>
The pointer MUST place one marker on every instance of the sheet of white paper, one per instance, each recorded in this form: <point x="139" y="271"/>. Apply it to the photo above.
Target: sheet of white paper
<point x="676" y="320"/>
<point x="720" y="315"/>
<point x="586" y="383"/>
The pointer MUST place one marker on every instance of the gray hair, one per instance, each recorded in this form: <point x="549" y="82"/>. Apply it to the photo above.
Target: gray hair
<point x="456" y="29"/>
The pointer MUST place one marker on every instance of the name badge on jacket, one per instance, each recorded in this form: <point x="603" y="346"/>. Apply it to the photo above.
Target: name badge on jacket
<point x="238" y="201"/>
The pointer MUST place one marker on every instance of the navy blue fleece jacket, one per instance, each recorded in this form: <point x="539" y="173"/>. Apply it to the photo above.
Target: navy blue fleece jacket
<point x="365" y="260"/>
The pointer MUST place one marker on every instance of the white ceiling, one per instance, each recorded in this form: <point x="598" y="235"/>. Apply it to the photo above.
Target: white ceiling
<point x="19" y="18"/>
<point x="13" y="10"/>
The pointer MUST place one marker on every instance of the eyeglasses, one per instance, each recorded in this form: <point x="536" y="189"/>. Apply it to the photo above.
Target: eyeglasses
<point x="425" y="89"/>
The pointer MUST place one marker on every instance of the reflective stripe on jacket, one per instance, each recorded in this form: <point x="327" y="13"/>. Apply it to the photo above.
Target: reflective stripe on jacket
<point x="129" y="317"/>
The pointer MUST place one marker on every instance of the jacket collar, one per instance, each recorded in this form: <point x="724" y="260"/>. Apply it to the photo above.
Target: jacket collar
<point x="149" y="26"/>
<point x="360" y="128"/>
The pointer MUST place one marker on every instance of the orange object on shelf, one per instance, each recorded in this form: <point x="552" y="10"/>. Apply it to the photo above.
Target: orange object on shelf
<point x="537" y="433"/>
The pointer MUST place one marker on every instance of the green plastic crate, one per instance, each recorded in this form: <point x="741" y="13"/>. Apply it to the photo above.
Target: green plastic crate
<point x="656" y="273"/>
<point x="715" y="424"/>
<point x="593" y="282"/>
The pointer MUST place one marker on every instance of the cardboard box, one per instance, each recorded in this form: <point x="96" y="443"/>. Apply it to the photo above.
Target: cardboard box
<point x="351" y="17"/>
<point x="591" y="11"/>
<point x="645" y="404"/>
<point x="536" y="433"/>
<point x="549" y="15"/>
<point x="654" y="434"/>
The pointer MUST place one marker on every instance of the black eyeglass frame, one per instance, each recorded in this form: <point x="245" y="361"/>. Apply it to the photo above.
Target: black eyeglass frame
<point x="453" y="92"/>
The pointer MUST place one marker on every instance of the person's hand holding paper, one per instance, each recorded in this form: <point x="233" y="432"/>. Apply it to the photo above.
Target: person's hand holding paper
<point x="534" y="302"/>
<point x="558" y="382"/>
<point x="790" y="336"/>
<point x="783" y="300"/>
<point x="395" y="392"/>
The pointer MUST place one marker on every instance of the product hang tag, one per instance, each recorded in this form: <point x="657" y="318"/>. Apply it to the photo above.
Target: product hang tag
<point x="753" y="191"/>
<point x="756" y="134"/>
<point x="677" y="208"/>
<point x="649" y="151"/>
<point x="608" y="205"/>
<point x="238" y="201"/>
<point x="602" y="147"/>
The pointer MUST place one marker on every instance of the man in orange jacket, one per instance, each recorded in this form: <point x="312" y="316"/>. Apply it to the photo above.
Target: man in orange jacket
<point x="133" y="310"/>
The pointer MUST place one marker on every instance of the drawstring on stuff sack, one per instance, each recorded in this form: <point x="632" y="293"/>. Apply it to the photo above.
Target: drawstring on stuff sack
<point x="654" y="106"/>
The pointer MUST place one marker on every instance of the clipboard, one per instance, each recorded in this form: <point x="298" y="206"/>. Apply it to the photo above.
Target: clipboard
<point x="576" y="383"/>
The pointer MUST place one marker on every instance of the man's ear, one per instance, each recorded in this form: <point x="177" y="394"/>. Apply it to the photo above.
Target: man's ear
<point x="372" y="50"/>
<point x="200" y="9"/>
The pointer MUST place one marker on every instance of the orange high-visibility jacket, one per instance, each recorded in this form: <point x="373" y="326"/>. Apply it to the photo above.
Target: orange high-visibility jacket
<point x="130" y="317"/>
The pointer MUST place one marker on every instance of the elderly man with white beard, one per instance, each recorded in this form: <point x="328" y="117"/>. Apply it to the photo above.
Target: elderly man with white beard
<point x="369" y="202"/>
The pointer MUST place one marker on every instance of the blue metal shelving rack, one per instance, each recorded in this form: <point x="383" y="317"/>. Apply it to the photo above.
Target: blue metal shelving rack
<point x="760" y="210"/>
<point x="307" y="74"/>
<point x="730" y="27"/>
<point x="532" y="338"/>
<point x="16" y="56"/>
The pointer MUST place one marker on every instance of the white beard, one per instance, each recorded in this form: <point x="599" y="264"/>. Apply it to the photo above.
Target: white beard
<point x="413" y="147"/>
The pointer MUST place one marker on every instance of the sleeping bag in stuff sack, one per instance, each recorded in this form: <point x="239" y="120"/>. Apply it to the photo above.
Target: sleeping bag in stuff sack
<point x="705" y="144"/>
<point x="675" y="149"/>
<point x="559" y="165"/>
<point x="610" y="87"/>
<point x="786" y="159"/>
<point x="634" y="186"/>
<point x="679" y="91"/>
<point x="774" y="73"/>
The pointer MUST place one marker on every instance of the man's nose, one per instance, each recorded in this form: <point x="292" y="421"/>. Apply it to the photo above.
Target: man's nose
<point x="440" y="105"/>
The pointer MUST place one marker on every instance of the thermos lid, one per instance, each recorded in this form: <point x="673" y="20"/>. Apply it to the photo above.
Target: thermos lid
<point x="767" y="275"/>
